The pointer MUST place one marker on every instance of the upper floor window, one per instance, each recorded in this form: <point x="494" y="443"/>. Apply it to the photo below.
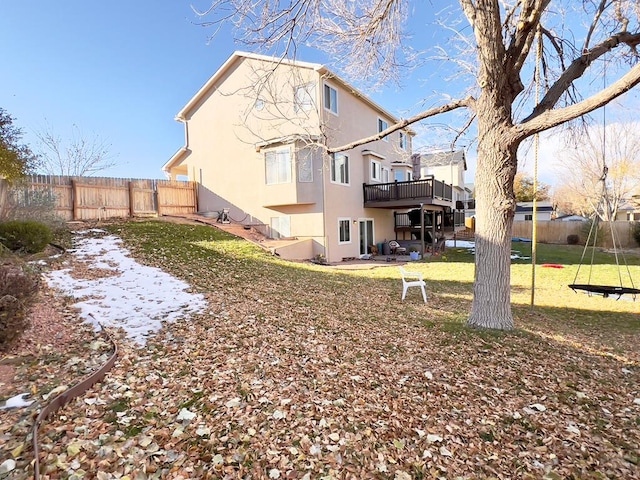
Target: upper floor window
<point x="278" y="166"/>
<point x="385" y="174"/>
<point x="382" y="126"/>
<point x="303" y="97"/>
<point x="375" y="170"/>
<point x="379" y="173"/>
<point x="403" y="141"/>
<point x="331" y="99"/>
<point x="402" y="175"/>
<point x="305" y="165"/>
<point x="340" y="168"/>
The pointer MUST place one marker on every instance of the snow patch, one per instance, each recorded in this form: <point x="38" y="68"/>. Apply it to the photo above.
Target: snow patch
<point x="136" y="298"/>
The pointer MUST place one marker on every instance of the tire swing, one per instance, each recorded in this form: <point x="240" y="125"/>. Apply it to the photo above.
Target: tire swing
<point x="604" y="209"/>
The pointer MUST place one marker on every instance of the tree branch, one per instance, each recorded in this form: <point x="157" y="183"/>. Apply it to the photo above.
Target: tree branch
<point x="578" y="67"/>
<point x="524" y="34"/>
<point x="468" y="102"/>
<point x="538" y="122"/>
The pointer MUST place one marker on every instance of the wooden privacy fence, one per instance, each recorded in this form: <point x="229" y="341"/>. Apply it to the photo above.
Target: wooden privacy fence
<point x="555" y="231"/>
<point x="96" y="198"/>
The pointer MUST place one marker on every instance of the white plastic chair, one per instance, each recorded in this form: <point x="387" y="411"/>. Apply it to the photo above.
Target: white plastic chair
<point x="412" y="279"/>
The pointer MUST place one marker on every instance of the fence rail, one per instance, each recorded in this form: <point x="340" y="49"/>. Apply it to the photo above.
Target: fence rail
<point x="96" y="198"/>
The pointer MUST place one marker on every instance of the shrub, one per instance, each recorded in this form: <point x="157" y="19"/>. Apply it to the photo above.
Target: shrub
<point x="573" y="239"/>
<point x="17" y="289"/>
<point x="25" y="235"/>
<point x="599" y="233"/>
<point x="636" y="233"/>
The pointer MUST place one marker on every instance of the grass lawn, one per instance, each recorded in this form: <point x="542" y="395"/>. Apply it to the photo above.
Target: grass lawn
<point x="305" y="371"/>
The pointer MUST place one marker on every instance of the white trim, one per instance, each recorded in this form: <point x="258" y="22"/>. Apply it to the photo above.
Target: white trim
<point x="374" y="154"/>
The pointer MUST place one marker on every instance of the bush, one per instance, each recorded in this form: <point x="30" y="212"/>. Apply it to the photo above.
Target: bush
<point x="25" y="235"/>
<point x="17" y="288"/>
<point x="599" y="233"/>
<point x="636" y="233"/>
<point x="573" y="239"/>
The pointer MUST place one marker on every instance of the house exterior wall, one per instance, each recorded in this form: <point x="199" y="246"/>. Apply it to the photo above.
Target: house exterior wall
<point x="246" y="113"/>
<point x="356" y="119"/>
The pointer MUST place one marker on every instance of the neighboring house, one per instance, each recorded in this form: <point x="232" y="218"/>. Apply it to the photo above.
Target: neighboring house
<point x="256" y="140"/>
<point x="449" y="167"/>
<point x="446" y="166"/>
<point x="629" y="211"/>
<point x="524" y="211"/>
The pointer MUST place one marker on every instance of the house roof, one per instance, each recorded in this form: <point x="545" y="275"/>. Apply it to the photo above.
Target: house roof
<point x="438" y="159"/>
<point x="527" y="207"/>
<point x="572" y="218"/>
<point x="321" y="69"/>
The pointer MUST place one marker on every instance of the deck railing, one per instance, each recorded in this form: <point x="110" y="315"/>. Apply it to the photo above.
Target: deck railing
<point x="414" y="189"/>
<point x="404" y="220"/>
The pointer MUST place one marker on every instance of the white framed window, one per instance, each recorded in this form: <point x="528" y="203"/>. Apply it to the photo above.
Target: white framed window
<point x="339" y="168"/>
<point x="303" y="97"/>
<point x="375" y="174"/>
<point x="305" y="165"/>
<point x="344" y="230"/>
<point x="330" y="99"/>
<point x="281" y="226"/>
<point x="278" y="166"/>
<point x="402" y="175"/>
<point x="379" y="173"/>
<point x="382" y="126"/>
<point x="385" y="174"/>
<point x="403" y="141"/>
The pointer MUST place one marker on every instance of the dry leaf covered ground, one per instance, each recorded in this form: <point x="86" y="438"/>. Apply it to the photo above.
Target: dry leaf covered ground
<point x="302" y="371"/>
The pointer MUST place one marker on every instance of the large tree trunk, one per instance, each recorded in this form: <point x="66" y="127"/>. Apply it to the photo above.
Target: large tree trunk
<point x="495" y="208"/>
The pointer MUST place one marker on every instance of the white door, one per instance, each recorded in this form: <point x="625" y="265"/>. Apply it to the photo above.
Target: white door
<point x="366" y="235"/>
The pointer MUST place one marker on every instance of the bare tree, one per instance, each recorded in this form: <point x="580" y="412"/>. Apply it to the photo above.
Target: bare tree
<point x="617" y="150"/>
<point x="510" y="40"/>
<point x="79" y="156"/>
<point x="524" y="191"/>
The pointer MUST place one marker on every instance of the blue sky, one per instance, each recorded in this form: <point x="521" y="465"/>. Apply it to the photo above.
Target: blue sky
<point x="120" y="70"/>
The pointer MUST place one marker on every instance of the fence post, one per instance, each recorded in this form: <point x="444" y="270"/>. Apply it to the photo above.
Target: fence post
<point x="195" y="196"/>
<point x="131" y="199"/>
<point x="74" y="197"/>
<point x="156" y="187"/>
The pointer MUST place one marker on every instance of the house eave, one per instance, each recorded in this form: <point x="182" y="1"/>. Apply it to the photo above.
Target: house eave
<point x="176" y="159"/>
<point x="286" y="140"/>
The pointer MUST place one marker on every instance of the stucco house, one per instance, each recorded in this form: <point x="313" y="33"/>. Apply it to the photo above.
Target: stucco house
<point x="258" y="140"/>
